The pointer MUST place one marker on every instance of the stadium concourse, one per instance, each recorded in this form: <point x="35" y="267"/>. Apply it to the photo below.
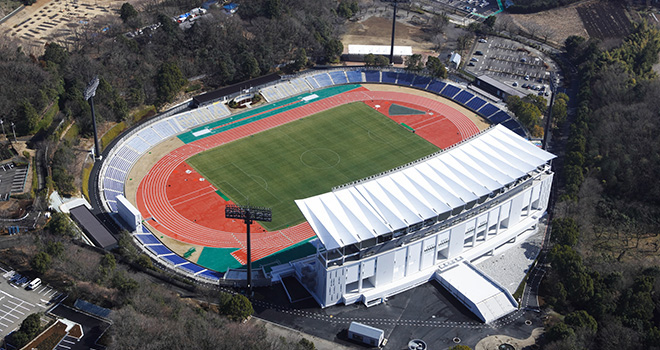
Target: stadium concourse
<point x="168" y="210"/>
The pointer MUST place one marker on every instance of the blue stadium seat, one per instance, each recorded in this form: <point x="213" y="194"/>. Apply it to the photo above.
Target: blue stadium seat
<point x="463" y="97"/>
<point x="511" y="124"/>
<point x="421" y="82"/>
<point x="338" y="77"/>
<point x="159" y="249"/>
<point x="214" y="275"/>
<point x="405" y="79"/>
<point x="499" y="117"/>
<point x="488" y="110"/>
<point x="323" y="79"/>
<point x="520" y="132"/>
<point x="354" y="76"/>
<point x="312" y="82"/>
<point x="372" y="76"/>
<point x="450" y="91"/>
<point x="147" y="239"/>
<point x="475" y="103"/>
<point x="436" y="86"/>
<point x="175" y="259"/>
<point x="192" y="267"/>
<point x="390" y="77"/>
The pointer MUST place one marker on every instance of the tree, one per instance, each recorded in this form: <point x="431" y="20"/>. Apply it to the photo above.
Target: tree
<point x="369" y="59"/>
<point x="581" y="319"/>
<point x="414" y="62"/>
<point x="559" y="331"/>
<point x="382" y="61"/>
<point x="490" y="21"/>
<point x="301" y="59"/>
<point x="28" y="118"/>
<point x="347" y="9"/>
<point x="168" y="82"/>
<point x="127" y="11"/>
<point x="249" y="66"/>
<point x="333" y="49"/>
<point x="40" y="263"/>
<point x="436" y="68"/>
<point x="237" y="308"/>
<point x="29" y="329"/>
<point x="463" y="41"/>
<point x="273" y="8"/>
<point x="565" y="231"/>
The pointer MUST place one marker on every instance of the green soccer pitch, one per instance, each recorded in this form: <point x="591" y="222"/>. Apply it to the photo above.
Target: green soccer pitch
<point x="308" y="157"/>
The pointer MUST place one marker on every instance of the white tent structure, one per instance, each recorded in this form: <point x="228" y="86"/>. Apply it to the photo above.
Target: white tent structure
<point x="388" y="233"/>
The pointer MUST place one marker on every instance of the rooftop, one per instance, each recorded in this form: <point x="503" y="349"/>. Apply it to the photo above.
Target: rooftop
<point x="427" y="189"/>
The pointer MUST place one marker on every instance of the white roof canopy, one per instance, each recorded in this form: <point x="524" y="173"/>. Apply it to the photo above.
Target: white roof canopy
<point x="379" y="50"/>
<point x="437" y="185"/>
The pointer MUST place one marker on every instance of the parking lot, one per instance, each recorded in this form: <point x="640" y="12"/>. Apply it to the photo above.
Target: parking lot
<point x="12" y="180"/>
<point x="482" y="8"/>
<point x="16" y="302"/>
<point x="512" y="63"/>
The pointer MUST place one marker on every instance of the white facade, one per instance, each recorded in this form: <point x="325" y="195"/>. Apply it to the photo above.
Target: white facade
<point x="131" y="216"/>
<point x="388" y="234"/>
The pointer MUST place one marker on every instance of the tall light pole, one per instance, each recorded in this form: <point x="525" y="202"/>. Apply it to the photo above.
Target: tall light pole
<point x="90" y="91"/>
<point x="393" y="31"/>
<point x="13" y="130"/>
<point x="248" y="215"/>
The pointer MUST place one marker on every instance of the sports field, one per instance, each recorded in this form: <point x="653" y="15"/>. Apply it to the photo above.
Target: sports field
<point x="308" y="157"/>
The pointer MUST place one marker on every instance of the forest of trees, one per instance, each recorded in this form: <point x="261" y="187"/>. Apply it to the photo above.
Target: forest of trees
<point x="605" y="276"/>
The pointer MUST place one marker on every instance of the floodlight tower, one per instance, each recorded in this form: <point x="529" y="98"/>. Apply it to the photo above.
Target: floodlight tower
<point x="396" y="2"/>
<point x="393" y="31"/>
<point x="248" y="214"/>
<point x="90" y="91"/>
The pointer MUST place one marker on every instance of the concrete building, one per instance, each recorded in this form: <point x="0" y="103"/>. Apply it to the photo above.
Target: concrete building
<point x="365" y="334"/>
<point x="496" y="88"/>
<point x="427" y="220"/>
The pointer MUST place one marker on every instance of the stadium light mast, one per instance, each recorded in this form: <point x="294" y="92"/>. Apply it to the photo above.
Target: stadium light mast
<point x="248" y="214"/>
<point x="393" y="31"/>
<point x="89" y="93"/>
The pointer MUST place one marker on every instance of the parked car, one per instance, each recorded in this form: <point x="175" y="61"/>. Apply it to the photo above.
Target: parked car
<point x="483" y="40"/>
<point x="474" y="59"/>
<point x="515" y="83"/>
<point x="478" y="52"/>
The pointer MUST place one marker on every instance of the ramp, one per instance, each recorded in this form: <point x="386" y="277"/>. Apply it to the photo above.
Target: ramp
<point x="482" y="295"/>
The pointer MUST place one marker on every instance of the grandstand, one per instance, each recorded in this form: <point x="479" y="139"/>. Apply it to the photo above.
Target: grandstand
<point x="389" y="233"/>
<point x="132" y="147"/>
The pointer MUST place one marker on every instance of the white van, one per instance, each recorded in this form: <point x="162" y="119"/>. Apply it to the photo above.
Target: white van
<point x="34" y="284"/>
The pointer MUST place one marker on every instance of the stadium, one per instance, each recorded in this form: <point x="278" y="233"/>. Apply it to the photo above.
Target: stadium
<point x="378" y="181"/>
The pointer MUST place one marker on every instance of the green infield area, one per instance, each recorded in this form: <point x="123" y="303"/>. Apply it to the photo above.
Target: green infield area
<point x="308" y="157"/>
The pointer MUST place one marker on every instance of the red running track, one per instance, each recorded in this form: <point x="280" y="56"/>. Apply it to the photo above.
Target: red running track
<point x="173" y="199"/>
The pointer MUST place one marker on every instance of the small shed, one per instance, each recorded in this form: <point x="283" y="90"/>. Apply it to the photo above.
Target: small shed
<point x="455" y="59"/>
<point x="365" y="334"/>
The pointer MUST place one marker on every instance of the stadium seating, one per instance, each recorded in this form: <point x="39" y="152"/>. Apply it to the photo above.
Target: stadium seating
<point x="488" y="109"/>
<point x="512" y="124"/>
<point x="405" y="79"/>
<point x="390" y="77"/>
<point x="499" y="117"/>
<point x="450" y="91"/>
<point x="338" y="77"/>
<point x="421" y="82"/>
<point x="312" y="82"/>
<point x="147" y="238"/>
<point x="354" y="76"/>
<point x="372" y="76"/>
<point x="436" y="86"/>
<point x="463" y="97"/>
<point x="475" y="103"/>
<point x="174" y="259"/>
<point x="323" y="79"/>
